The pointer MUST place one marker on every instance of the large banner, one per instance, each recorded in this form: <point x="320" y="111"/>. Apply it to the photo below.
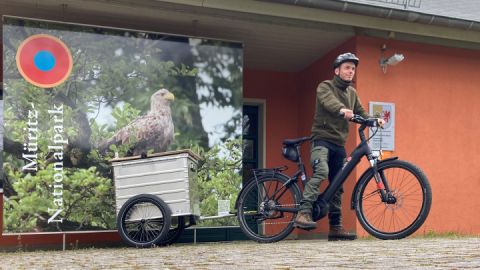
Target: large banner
<point x="77" y="96"/>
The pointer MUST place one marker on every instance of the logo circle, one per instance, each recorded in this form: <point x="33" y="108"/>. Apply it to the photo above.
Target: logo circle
<point x="44" y="60"/>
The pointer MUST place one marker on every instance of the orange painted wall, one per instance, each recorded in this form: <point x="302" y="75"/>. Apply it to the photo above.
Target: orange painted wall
<point x="437" y="105"/>
<point x="281" y="95"/>
<point x="280" y="92"/>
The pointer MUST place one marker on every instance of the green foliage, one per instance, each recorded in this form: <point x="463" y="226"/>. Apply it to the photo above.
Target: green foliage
<point x="219" y="178"/>
<point x="124" y="115"/>
<point x="87" y="201"/>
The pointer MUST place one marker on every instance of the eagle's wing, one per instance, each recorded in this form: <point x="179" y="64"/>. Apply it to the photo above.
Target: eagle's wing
<point x="123" y="135"/>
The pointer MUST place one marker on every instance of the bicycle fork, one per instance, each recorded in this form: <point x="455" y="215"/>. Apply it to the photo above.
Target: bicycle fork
<point x="382" y="183"/>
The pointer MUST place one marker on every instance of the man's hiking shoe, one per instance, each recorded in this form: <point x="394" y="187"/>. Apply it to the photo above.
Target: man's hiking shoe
<point x="338" y="233"/>
<point x="304" y="221"/>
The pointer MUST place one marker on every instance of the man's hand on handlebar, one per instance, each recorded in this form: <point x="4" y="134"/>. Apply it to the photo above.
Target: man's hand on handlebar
<point x="347" y="114"/>
<point x="380" y="122"/>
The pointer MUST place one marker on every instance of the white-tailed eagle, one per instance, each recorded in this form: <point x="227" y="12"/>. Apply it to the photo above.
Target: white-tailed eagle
<point x="151" y="131"/>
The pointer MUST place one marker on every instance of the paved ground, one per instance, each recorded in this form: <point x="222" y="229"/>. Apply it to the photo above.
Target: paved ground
<point x="412" y="253"/>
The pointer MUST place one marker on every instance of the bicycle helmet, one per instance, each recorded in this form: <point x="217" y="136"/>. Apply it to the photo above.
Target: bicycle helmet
<point x="290" y="152"/>
<point x="345" y="57"/>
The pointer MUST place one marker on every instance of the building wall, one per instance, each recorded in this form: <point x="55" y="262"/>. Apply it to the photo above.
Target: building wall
<point x="437" y="106"/>
<point x="437" y="102"/>
<point x="280" y="92"/>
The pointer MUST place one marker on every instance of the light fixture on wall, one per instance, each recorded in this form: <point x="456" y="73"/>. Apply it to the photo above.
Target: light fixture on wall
<point x="390" y="61"/>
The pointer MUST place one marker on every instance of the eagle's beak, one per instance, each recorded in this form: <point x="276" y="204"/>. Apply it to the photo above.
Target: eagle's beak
<point x="169" y="96"/>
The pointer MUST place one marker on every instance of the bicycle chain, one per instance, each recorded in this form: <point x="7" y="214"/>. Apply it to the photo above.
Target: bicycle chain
<point x="274" y="223"/>
<point x="285" y="222"/>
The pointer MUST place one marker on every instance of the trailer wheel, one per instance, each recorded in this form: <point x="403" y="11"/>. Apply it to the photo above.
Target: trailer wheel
<point x="144" y="220"/>
<point x="176" y="229"/>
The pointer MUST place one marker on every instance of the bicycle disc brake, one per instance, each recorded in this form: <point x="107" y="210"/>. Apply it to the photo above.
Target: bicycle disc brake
<point x="320" y="210"/>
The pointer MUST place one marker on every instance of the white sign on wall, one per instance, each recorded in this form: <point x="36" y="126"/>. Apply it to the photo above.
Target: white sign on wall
<point x="384" y="139"/>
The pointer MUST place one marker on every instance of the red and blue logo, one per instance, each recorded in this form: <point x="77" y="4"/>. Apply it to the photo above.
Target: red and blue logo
<point x="44" y="61"/>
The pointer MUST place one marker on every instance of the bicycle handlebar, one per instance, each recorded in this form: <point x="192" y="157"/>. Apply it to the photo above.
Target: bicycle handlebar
<point x="369" y="122"/>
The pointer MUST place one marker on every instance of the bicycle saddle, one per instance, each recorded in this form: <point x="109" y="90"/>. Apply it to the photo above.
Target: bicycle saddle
<point x="296" y="141"/>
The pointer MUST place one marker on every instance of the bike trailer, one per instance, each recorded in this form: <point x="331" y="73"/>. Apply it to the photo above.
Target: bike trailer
<point x="169" y="175"/>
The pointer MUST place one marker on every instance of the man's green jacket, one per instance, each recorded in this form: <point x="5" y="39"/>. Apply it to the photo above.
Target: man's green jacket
<point x="333" y="95"/>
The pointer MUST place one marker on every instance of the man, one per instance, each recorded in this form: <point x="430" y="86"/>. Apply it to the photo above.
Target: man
<point x="330" y="132"/>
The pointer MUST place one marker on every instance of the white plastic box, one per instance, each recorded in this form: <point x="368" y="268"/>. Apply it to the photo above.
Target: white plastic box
<point x="170" y="175"/>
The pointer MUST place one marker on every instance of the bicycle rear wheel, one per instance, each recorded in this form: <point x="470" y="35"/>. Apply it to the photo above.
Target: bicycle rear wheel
<point x="267" y="208"/>
<point x="411" y="198"/>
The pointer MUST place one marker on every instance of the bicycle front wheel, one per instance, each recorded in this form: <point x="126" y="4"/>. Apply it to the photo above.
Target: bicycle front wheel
<point x="410" y="198"/>
<point x="267" y="208"/>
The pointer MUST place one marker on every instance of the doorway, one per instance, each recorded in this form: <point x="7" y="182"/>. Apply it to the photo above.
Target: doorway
<point x="253" y="137"/>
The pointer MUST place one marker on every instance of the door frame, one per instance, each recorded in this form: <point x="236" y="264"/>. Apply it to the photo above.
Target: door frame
<point x="262" y="116"/>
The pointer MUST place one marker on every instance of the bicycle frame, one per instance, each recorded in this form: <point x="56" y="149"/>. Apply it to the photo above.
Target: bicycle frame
<point x="355" y="157"/>
<point x="360" y="151"/>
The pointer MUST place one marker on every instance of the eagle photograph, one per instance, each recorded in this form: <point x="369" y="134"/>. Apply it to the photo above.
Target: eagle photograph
<point x="152" y="131"/>
<point x="128" y="94"/>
